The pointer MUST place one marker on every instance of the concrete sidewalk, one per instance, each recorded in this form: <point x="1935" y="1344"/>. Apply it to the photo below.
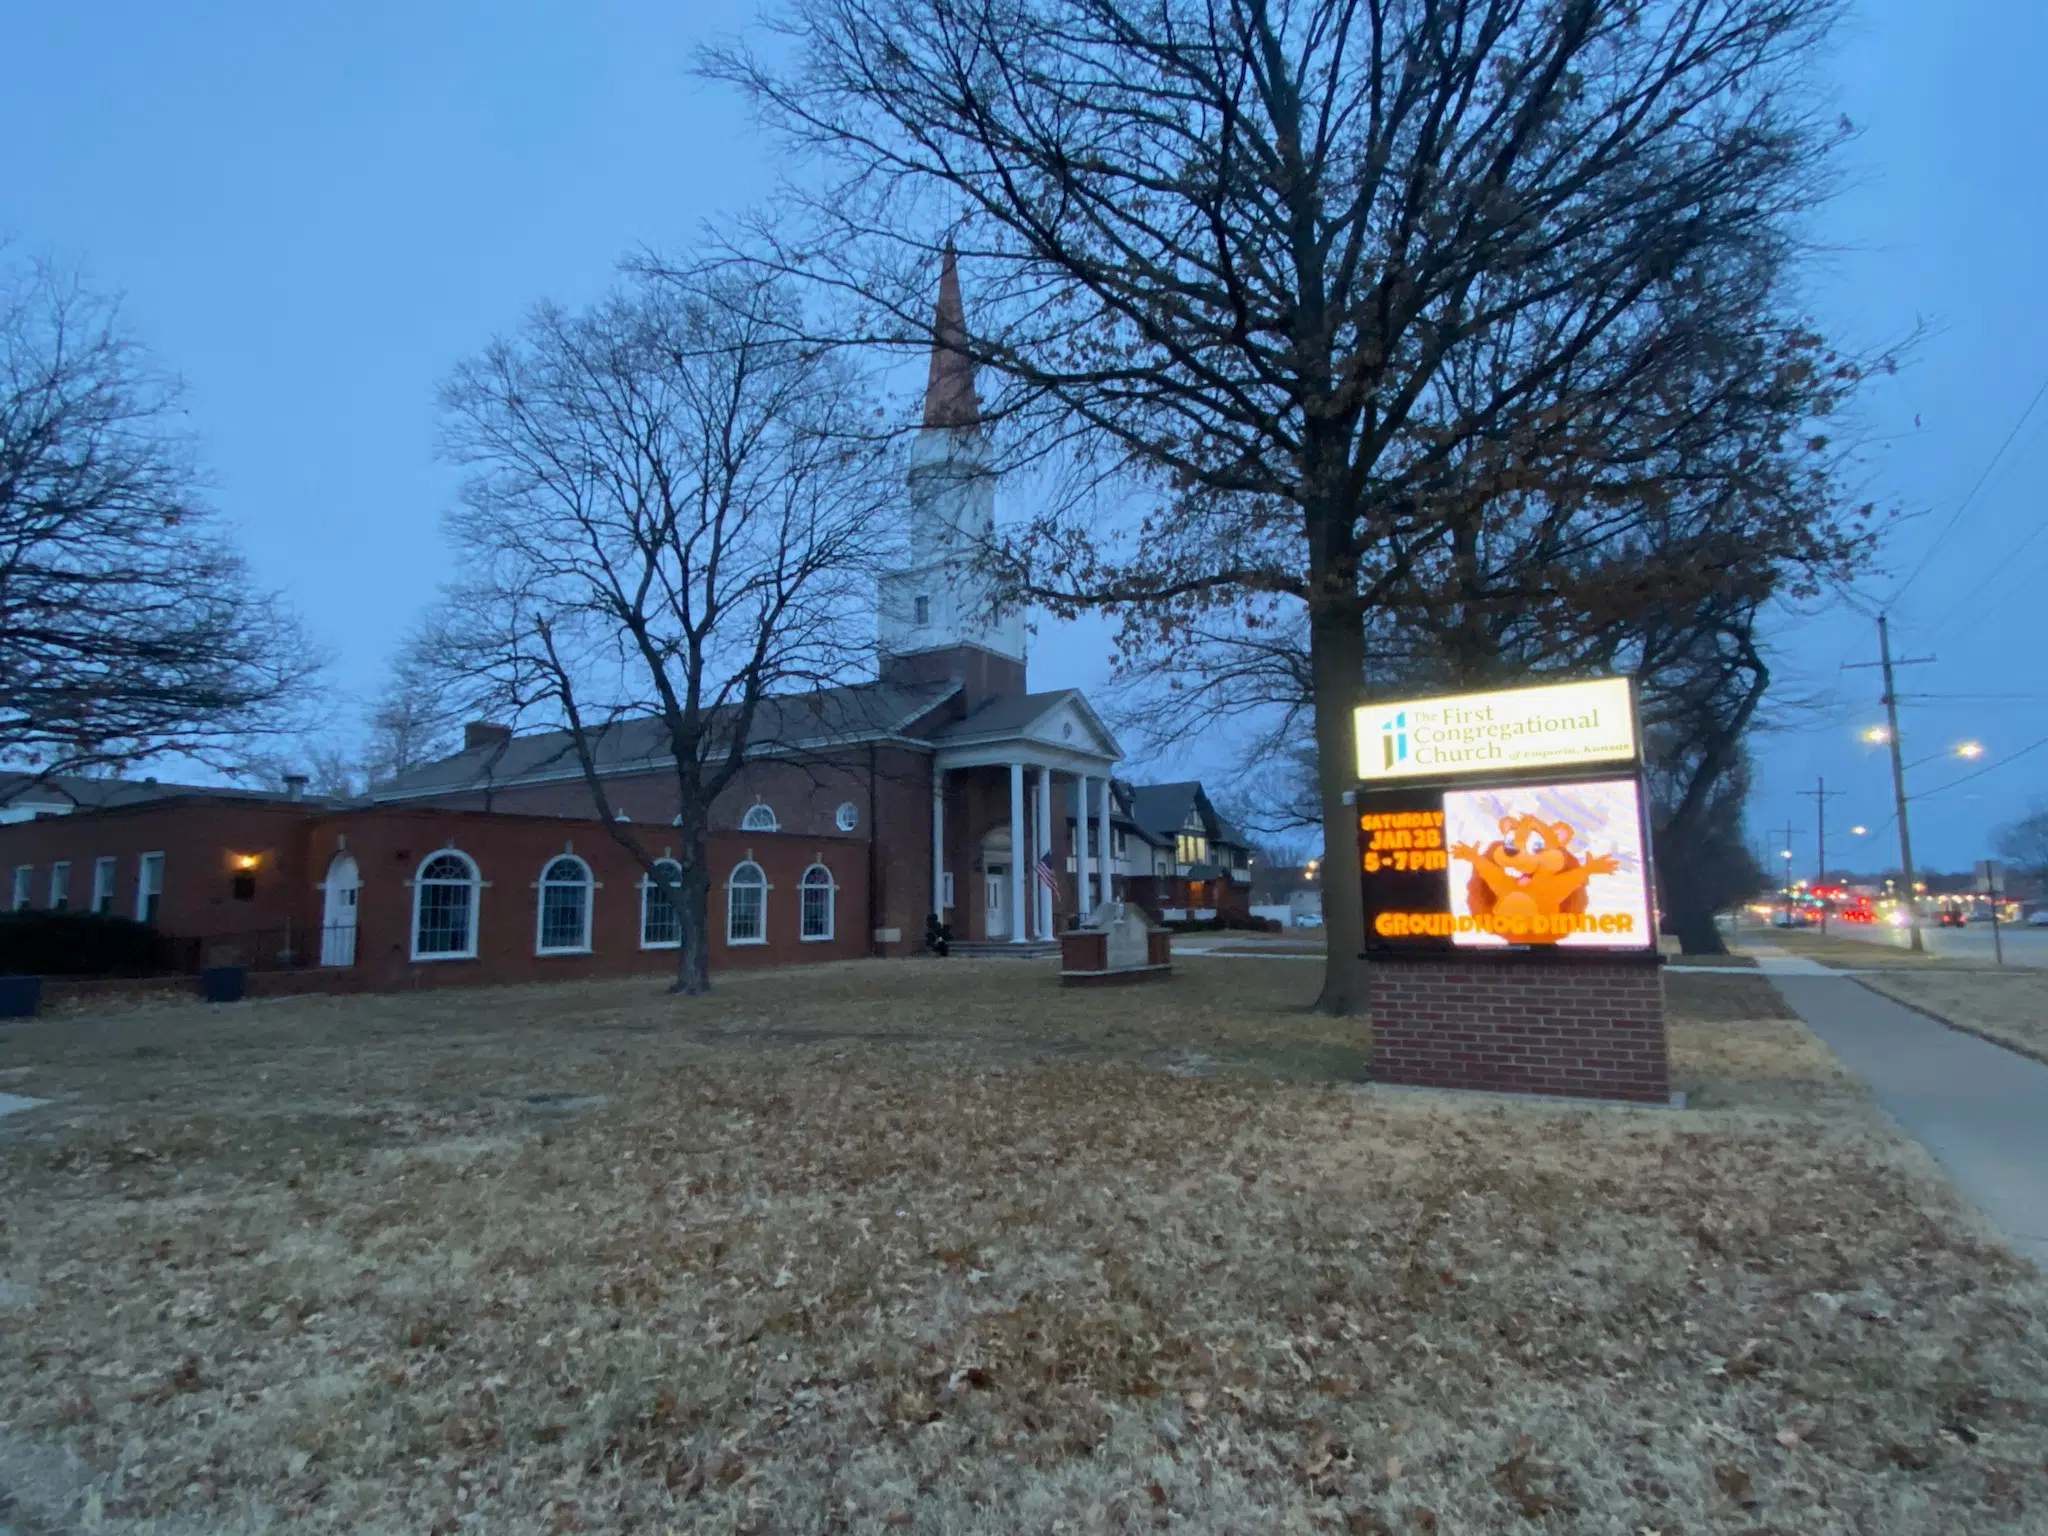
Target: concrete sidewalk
<point x="1980" y="1109"/>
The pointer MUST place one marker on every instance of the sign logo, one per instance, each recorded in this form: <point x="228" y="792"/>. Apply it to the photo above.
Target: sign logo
<point x="1394" y="740"/>
<point x="1506" y="730"/>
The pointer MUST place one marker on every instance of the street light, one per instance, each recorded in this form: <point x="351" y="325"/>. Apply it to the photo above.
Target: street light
<point x="1876" y="735"/>
<point x="1966" y="749"/>
<point x="1859" y="831"/>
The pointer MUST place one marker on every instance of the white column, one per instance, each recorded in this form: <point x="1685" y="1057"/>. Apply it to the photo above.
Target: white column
<point x="938" y="842"/>
<point x="1081" y="846"/>
<point x="1044" y="847"/>
<point x="1108" y="865"/>
<point x="1018" y="853"/>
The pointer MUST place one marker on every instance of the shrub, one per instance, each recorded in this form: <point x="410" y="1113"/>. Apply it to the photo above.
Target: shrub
<point x="79" y="944"/>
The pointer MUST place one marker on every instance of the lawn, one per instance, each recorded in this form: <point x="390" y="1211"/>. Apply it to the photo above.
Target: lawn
<point x="937" y="1246"/>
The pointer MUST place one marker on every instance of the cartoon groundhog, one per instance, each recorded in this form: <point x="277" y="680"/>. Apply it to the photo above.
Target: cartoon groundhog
<point x="1530" y="872"/>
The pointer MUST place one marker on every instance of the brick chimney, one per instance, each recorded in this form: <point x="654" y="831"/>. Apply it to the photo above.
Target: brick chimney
<point x="481" y="733"/>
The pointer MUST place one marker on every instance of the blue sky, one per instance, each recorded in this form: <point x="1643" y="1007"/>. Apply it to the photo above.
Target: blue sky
<point x="315" y="209"/>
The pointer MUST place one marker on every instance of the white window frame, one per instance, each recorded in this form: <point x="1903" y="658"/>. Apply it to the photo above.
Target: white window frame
<point x="105" y="872"/>
<point x="60" y="886"/>
<point x="540" y="906"/>
<point x="921" y="610"/>
<point x="143" y="866"/>
<point x="732" y="881"/>
<point x="945" y="890"/>
<point x="476" y="888"/>
<point x="847" y="817"/>
<point x="804" y="887"/>
<point x="760" y="817"/>
<point x="24" y="887"/>
<point x="648" y="891"/>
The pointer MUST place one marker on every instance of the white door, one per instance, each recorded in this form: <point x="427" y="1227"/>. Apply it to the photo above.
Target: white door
<point x="338" y="915"/>
<point x="995" y="920"/>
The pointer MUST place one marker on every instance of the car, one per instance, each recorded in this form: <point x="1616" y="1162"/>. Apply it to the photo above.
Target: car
<point x="1951" y="917"/>
<point x="2038" y="918"/>
<point x="1791" y="920"/>
<point x="1856" y="915"/>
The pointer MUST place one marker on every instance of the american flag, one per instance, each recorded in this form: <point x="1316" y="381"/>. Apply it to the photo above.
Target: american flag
<point x="1046" y="878"/>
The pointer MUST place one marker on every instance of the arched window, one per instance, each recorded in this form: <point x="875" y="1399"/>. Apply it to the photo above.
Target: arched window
<point x="661" y="925"/>
<point x="760" y="818"/>
<point x="564" y="926"/>
<point x="444" y="907"/>
<point x="818" y="891"/>
<point x="746" y="904"/>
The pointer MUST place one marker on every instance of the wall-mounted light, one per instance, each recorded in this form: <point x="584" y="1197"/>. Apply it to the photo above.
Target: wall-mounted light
<point x="245" y="861"/>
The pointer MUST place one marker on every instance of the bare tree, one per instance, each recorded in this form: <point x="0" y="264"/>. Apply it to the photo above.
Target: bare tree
<point x="670" y="514"/>
<point x="410" y="723"/>
<point x="129" y="629"/>
<point x="1247" y="253"/>
<point x="2024" y="844"/>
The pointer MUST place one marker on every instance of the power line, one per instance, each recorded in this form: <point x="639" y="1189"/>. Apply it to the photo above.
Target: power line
<point x="1978" y="773"/>
<point x="1968" y="497"/>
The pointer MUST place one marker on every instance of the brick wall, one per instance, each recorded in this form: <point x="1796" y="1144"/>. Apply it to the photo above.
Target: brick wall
<point x="889" y="787"/>
<point x="1594" y="1029"/>
<point x="200" y="840"/>
<point x="389" y="845"/>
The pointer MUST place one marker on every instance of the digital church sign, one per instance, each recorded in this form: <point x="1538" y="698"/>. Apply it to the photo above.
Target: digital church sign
<point x="1498" y="853"/>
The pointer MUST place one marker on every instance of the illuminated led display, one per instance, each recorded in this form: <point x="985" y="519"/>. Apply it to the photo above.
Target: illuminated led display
<point x="1522" y="865"/>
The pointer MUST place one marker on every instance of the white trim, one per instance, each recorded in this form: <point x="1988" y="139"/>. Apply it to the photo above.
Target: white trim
<point x="831" y="890"/>
<point x="105" y="875"/>
<point x="540" y="905"/>
<point x="647" y="885"/>
<point x="945" y="893"/>
<point x="419" y="884"/>
<point x="60" y="867"/>
<point x="142" y="890"/>
<point x="752" y="820"/>
<point x="762" y="887"/>
<point x="24" y="887"/>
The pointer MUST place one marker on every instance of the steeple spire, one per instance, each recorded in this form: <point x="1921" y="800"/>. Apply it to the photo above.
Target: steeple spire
<point x="949" y="398"/>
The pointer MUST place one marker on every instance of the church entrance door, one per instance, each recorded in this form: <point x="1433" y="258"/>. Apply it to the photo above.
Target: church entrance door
<point x="995" y="907"/>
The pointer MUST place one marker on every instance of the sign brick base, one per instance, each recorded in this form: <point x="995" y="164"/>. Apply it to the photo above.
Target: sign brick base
<point x="1589" y="1028"/>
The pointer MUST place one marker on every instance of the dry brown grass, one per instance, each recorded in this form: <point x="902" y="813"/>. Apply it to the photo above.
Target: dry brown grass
<point x="1861" y="954"/>
<point x="944" y="1248"/>
<point x="2009" y="1006"/>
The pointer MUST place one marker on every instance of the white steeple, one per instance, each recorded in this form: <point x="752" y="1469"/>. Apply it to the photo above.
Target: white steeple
<point x="939" y="600"/>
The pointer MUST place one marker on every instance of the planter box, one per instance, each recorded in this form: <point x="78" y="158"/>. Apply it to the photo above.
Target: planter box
<point x="20" y="996"/>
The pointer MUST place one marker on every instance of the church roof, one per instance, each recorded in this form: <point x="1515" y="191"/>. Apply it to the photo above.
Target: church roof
<point x="790" y="722"/>
<point x="58" y="793"/>
<point x="949" y="397"/>
<point x="1014" y="714"/>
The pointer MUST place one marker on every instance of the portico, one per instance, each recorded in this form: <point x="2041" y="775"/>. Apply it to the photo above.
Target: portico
<point x="999" y="824"/>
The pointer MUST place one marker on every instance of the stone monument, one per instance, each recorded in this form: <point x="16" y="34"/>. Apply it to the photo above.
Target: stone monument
<point x="1118" y="943"/>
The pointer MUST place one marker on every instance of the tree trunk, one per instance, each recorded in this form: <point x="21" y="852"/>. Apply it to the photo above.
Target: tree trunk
<point x="693" y="960"/>
<point x="1692" y="919"/>
<point x="1337" y="668"/>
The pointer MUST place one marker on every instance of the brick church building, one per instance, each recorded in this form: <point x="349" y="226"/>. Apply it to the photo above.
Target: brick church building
<point x="944" y="785"/>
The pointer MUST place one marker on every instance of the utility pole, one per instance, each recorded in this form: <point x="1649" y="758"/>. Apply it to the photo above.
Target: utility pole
<point x="1891" y="717"/>
<point x="1784" y="859"/>
<point x="1819" y="795"/>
